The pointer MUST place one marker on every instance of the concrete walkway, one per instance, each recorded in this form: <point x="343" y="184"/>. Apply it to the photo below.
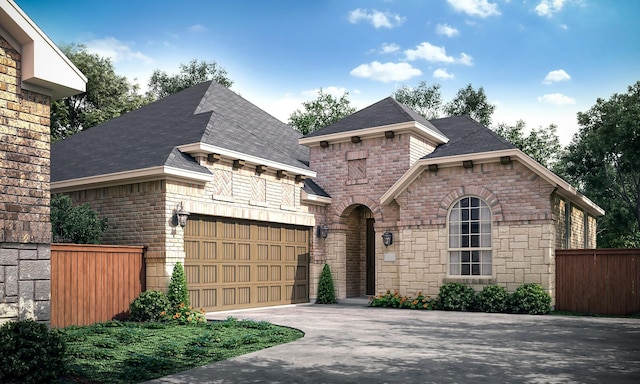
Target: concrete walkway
<point x="351" y="343"/>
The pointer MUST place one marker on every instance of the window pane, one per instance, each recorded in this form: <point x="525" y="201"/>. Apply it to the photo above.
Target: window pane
<point x="485" y="214"/>
<point x="464" y="228"/>
<point x="465" y="269"/>
<point x="485" y="241"/>
<point x="465" y="255"/>
<point x="475" y="214"/>
<point x="475" y="256"/>
<point x="465" y="215"/>
<point x="475" y="227"/>
<point x="486" y="257"/>
<point x="454" y="228"/>
<point x="454" y="257"/>
<point x="485" y="228"/>
<point x="454" y="269"/>
<point x="464" y="241"/>
<point x="475" y="202"/>
<point x="464" y="202"/>
<point x="455" y="215"/>
<point x="475" y="269"/>
<point x="475" y="241"/>
<point x="486" y="269"/>
<point x="454" y="241"/>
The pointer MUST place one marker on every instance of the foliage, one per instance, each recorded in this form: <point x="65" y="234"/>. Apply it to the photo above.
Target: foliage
<point x="456" y="297"/>
<point x="326" y="292"/>
<point x="107" y="96"/>
<point x="470" y="102"/>
<point x="542" y="144"/>
<point x="178" y="292"/>
<point x="183" y="314"/>
<point x="195" y="72"/>
<point x="493" y="298"/>
<point x="125" y="352"/>
<point x="394" y="300"/>
<point x="30" y="353"/>
<point x="77" y="224"/>
<point x="424" y="99"/>
<point x="603" y="161"/>
<point x="321" y="112"/>
<point x="531" y="299"/>
<point x="149" y="306"/>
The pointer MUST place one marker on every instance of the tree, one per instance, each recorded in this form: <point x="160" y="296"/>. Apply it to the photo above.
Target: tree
<point x="424" y="99"/>
<point x="178" y="292"/>
<point x="326" y="293"/>
<point x="107" y="96"/>
<point x="319" y="113"/>
<point x="470" y="102"/>
<point x="542" y="144"/>
<point x="603" y="159"/>
<point x="77" y="224"/>
<point x="195" y="72"/>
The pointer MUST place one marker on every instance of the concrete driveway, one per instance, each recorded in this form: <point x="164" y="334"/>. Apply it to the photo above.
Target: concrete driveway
<point x="351" y="343"/>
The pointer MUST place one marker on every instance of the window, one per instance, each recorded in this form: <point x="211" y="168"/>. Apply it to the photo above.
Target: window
<point x="470" y="238"/>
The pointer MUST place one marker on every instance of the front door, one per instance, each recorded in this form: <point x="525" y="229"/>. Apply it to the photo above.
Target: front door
<point x="371" y="258"/>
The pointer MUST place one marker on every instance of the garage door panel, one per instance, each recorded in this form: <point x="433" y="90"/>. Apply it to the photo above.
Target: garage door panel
<point x="242" y="264"/>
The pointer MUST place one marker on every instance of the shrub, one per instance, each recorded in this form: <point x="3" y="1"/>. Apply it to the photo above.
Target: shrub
<point x="419" y="302"/>
<point x="149" y="306"/>
<point x="178" y="292"/>
<point x="186" y="315"/>
<point x="531" y="299"/>
<point x="456" y="297"/>
<point x="394" y="300"/>
<point x="30" y="353"/>
<point x="326" y="293"/>
<point x="75" y="224"/>
<point x="493" y="298"/>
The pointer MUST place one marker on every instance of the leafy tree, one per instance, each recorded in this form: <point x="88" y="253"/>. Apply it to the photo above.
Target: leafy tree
<point x="470" y="102"/>
<point x="424" y="99"/>
<point x="178" y="292"/>
<point x="326" y="293"/>
<point x="319" y="113"/>
<point x="542" y="144"/>
<point x="107" y="96"/>
<point x="603" y="159"/>
<point x="195" y="72"/>
<point x="77" y="224"/>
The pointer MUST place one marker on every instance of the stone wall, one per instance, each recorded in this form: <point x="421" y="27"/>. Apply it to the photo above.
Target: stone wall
<point x="574" y="228"/>
<point x="25" y="229"/>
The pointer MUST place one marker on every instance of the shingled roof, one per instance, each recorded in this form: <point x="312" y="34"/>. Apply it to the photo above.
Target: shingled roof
<point x="149" y="137"/>
<point x="385" y="112"/>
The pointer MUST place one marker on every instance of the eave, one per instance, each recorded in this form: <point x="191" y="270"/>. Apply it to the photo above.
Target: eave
<point x="564" y="189"/>
<point x="412" y="126"/>
<point x="310" y="198"/>
<point x="128" y="177"/>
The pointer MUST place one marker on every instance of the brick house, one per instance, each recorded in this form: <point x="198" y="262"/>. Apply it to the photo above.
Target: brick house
<point x="33" y="72"/>
<point x="268" y="208"/>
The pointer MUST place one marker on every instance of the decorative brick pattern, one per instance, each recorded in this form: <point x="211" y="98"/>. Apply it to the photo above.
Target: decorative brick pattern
<point x="222" y="183"/>
<point x="258" y="189"/>
<point x="357" y="171"/>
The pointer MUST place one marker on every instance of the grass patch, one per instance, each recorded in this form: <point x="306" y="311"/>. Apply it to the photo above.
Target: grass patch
<point x="127" y="352"/>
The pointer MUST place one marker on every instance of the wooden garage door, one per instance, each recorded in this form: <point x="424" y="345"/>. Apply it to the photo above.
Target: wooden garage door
<point x="233" y="264"/>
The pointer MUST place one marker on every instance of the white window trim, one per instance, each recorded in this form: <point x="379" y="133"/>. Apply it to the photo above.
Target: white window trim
<point x="450" y="249"/>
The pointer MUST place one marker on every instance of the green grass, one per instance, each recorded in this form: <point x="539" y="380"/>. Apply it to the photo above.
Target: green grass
<point x="127" y="352"/>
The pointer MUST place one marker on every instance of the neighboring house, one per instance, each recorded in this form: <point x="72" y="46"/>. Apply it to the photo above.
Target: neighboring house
<point x="33" y="72"/>
<point x="268" y="208"/>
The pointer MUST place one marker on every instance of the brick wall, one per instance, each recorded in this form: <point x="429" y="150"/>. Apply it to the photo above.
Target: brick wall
<point x="574" y="228"/>
<point x="25" y="230"/>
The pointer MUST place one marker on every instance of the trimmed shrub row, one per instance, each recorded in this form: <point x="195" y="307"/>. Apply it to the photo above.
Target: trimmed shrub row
<point x="528" y="298"/>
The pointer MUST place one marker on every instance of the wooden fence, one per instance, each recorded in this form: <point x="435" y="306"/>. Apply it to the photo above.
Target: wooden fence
<point x="599" y="281"/>
<point x="93" y="283"/>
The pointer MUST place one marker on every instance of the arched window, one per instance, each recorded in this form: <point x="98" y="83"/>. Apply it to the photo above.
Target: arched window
<point x="470" y="238"/>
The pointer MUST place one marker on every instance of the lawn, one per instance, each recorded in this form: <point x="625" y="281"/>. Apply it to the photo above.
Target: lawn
<point x="128" y="352"/>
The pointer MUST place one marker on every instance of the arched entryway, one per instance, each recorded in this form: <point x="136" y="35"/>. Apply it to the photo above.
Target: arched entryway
<point x="360" y="251"/>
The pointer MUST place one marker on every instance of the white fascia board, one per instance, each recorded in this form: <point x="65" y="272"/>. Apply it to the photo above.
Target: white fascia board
<point x="564" y="188"/>
<point x="45" y="69"/>
<point x="314" y="199"/>
<point x="204" y="149"/>
<point x="411" y="126"/>
<point x="127" y="177"/>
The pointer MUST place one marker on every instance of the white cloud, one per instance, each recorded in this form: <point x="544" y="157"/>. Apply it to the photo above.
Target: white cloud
<point x="389" y="48"/>
<point x="386" y="72"/>
<point x="465" y="59"/>
<point x="430" y="53"/>
<point x="198" y="28"/>
<point x="115" y="50"/>
<point x="443" y="74"/>
<point x="376" y="18"/>
<point x="556" y="99"/>
<point x="556" y="76"/>
<point x="479" y="8"/>
<point x="330" y="90"/>
<point x="447" y="30"/>
<point x="549" y="7"/>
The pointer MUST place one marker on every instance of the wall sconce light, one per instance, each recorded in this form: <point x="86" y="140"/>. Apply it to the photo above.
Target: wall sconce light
<point x="323" y="231"/>
<point x="180" y="216"/>
<point x="387" y="238"/>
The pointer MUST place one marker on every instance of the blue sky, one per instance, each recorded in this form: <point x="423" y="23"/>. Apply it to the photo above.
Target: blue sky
<point x="538" y="60"/>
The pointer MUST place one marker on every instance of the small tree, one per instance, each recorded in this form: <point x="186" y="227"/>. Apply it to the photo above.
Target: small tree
<point x="326" y="293"/>
<point x="178" y="291"/>
<point x="77" y="224"/>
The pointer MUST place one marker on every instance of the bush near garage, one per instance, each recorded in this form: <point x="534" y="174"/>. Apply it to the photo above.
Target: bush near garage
<point x="531" y="299"/>
<point x="493" y="299"/>
<point x="456" y="297"/>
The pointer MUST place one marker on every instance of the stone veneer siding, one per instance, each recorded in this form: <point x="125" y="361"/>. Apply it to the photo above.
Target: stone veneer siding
<point x="25" y="229"/>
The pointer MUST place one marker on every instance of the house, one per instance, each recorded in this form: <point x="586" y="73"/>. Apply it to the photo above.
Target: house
<point x="267" y="208"/>
<point x="33" y="73"/>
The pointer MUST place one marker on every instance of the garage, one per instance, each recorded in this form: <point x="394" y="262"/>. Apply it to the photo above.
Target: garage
<point x="234" y="264"/>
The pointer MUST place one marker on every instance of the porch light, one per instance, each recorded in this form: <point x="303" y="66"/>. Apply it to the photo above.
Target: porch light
<point x="387" y="238"/>
<point x="323" y="231"/>
<point x="180" y="216"/>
